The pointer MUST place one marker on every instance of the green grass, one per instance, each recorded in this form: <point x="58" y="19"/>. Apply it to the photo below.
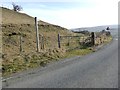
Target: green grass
<point x="78" y="52"/>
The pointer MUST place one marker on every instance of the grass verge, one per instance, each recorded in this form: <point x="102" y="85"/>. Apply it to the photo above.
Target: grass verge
<point x="33" y="60"/>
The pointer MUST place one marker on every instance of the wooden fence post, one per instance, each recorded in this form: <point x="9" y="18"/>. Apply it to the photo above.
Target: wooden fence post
<point x="21" y="44"/>
<point x="37" y="34"/>
<point x="92" y="38"/>
<point x="43" y="42"/>
<point x="59" y="41"/>
<point x="68" y="41"/>
<point x="100" y="40"/>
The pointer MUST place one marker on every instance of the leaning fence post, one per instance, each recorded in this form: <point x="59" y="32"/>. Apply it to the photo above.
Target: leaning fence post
<point x="59" y="41"/>
<point x="93" y="38"/>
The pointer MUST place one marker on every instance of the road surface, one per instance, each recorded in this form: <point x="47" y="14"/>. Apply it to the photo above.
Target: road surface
<point x="96" y="70"/>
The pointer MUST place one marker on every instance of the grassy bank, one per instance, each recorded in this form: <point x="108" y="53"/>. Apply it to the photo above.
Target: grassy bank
<point x="16" y="25"/>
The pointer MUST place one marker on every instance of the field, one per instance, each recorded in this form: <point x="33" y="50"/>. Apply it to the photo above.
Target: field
<point x="19" y="42"/>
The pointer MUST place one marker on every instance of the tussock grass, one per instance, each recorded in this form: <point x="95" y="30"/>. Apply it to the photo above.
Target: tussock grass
<point x="22" y="62"/>
<point x="15" y="24"/>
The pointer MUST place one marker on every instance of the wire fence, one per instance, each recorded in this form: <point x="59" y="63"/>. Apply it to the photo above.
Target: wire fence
<point x="21" y="43"/>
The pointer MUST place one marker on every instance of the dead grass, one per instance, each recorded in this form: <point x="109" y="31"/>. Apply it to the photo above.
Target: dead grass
<point x="15" y="24"/>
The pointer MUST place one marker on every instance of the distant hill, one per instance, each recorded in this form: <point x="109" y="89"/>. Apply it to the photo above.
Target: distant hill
<point x="97" y="28"/>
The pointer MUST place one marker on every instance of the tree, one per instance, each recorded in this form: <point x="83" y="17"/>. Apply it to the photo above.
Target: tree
<point x="16" y="7"/>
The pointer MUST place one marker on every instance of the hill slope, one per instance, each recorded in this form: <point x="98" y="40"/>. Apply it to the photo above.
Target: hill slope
<point x="19" y="42"/>
<point x="16" y="25"/>
<point x="10" y="16"/>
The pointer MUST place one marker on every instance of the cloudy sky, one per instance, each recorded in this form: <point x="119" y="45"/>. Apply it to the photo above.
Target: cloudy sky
<point x="71" y="13"/>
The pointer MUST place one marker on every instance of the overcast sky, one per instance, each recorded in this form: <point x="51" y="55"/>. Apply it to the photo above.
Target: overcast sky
<point x="71" y="13"/>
